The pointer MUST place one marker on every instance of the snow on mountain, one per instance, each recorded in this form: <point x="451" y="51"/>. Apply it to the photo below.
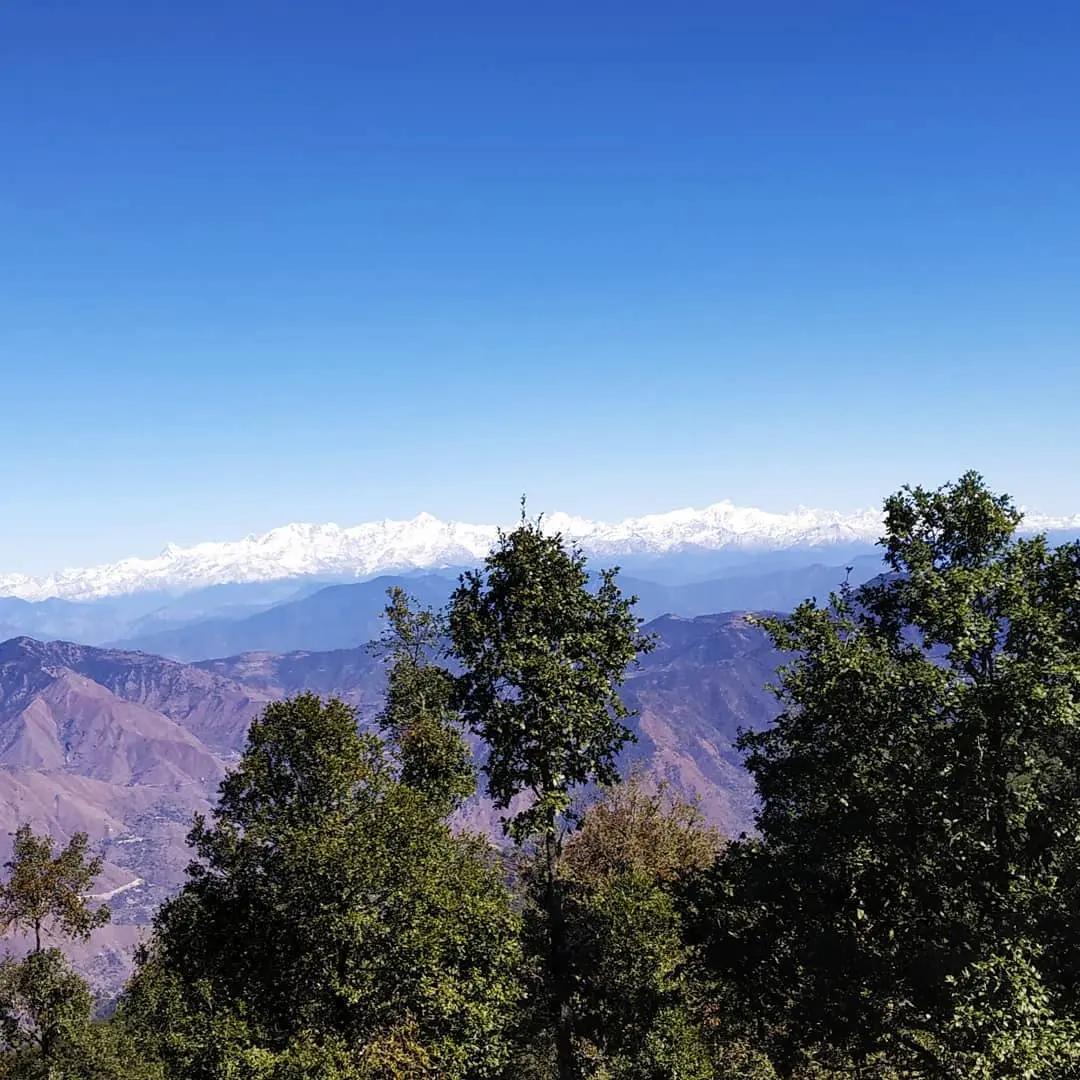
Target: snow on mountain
<point x="425" y="542"/>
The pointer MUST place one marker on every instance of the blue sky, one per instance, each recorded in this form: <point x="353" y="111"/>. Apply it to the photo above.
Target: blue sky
<point x="269" y="261"/>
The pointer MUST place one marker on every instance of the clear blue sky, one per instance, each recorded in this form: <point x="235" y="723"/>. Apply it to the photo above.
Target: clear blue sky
<point x="265" y="261"/>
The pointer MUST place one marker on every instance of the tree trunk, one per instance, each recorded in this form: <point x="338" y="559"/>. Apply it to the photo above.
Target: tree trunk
<point x="557" y="961"/>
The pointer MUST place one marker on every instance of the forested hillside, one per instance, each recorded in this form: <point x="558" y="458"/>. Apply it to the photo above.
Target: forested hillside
<point x="904" y="907"/>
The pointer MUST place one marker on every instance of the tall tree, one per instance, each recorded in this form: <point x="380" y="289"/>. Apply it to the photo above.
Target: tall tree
<point x="46" y="1023"/>
<point x="47" y="893"/>
<point x="908" y="901"/>
<point x="542" y="656"/>
<point x="331" y="914"/>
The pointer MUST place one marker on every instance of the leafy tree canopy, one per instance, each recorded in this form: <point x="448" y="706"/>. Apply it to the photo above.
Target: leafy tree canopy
<point x="920" y="810"/>
<point x="330" y="911"/>
<point x="47" y="1029"/>
<point x="46" y="893"/>
<point x="418" y="717"/>
<point x="636" y="1014"/>
<point x="542" y="657"/>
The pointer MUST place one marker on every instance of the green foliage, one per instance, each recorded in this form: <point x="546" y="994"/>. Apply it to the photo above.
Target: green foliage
<point x="634" y="1013"/>
<point x="46" y="1025"/>
<point x="542" y="659"/>
<point x="635" y="828"/>
<point x="47" y="1031"/>
<point x="418" y="716"/>
<point x="44" y="1006"/>
<point x="1005" y="1023"/>
<point x="920" y="809"/>
<point x="331" y="911"/>
<point x="46" y="893"/>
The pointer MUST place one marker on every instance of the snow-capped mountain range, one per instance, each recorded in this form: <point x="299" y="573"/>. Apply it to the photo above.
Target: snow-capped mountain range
<point x="425" y="542"/>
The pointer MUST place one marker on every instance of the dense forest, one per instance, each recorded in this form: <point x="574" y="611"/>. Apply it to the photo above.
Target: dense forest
<point x="908" y="905"/>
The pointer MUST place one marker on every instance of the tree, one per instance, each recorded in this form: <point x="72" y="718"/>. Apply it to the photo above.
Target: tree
<point x="46" y="1023"/>
<point x="44" y="1008"/>
<point x="635" y="1009"/>
<point x="47" y="1030"/>
<point x="542" y="657"/>
<point x="331" y="915"/>
<point x="418" y="717"/>
<point x="641" y="827"/>
<point x="920" y="809"/>
<point x="46" y="894"/>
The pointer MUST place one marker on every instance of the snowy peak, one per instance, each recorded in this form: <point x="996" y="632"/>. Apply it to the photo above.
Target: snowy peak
<point x="425" y="542"/>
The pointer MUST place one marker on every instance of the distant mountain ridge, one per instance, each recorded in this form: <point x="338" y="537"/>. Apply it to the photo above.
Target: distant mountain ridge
<point x="123" y="719"/>
<point x="348" y="616"/>
<point x="425" y="542"/>
<point x="331" y="552"/>
<point x="337" y="617"/>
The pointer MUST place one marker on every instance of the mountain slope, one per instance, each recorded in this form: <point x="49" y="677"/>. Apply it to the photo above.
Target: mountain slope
<point x="74" y="724"/>
<point x="336" y="617"/>
<point x="213" y="709"/>
<point x="125" y="747"/>
<point x="348" y="616"/>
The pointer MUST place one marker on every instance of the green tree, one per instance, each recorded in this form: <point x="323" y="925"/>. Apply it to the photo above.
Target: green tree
<point x="47" y="893"/>
<point x="331" y="915"/>
<point x="636" y="1012"/>
<point x="640" y="826"/>
<point x="418" y="717"/>
<point x="542" y="656"/>
<point x="46" y="1009"/>
<point x="909" y="903"/>
<point x="47" y="1030"/>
